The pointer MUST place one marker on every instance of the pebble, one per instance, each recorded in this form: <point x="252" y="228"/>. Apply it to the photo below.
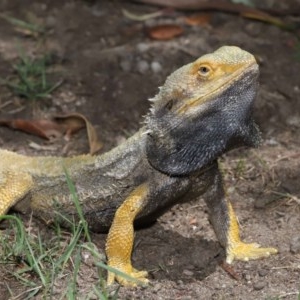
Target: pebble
<point x="157" y="287"/>
<point x="125" y="65"/>
<point x="191" y="267"/>
<point x="156" y="67"/>
<point x="97" y="12"/>
<point x="285" y="247"/>
<point x="295" y="245"/>
<point x="142" y="66"/>
<point x="253" y="29"/>
<point x="271" y="142"/>
<point x="293" y="121"/>
<point x="142" y="47"/>
<point x="263" y="272"/>
<point x="259" y="285"/>
<point x="50" y="21"/>
<point x="87" y="256"/>
<point x="247" y="277"/>
<point x="188" y="273"/>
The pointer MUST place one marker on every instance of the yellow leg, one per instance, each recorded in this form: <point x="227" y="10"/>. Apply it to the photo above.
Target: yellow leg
<point x="121" y="236"/>
<point x="236" y="249"/>
<point x="13" y="187"/>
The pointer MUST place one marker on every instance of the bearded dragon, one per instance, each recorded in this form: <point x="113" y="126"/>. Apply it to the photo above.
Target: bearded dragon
<point x="203" y="110"/>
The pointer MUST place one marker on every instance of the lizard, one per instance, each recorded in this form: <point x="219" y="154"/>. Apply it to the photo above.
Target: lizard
<point x="203" y="110"/>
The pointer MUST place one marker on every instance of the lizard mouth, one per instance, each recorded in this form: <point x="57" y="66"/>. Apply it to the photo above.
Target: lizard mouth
<point x="248" y="76"/>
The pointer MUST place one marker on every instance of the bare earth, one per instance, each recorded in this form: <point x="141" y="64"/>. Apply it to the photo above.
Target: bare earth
<point x="110" y="68"/>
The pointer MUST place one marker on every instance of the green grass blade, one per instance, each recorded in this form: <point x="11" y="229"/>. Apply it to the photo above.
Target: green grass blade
<point x="77" y="205"/>
<point x="20" y="233"/>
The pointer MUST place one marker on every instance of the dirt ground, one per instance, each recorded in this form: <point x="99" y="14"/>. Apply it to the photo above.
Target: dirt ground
<point x="110" y="67"/>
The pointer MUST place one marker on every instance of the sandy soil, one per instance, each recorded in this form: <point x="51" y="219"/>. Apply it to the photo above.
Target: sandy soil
<point x="110" y="68"/>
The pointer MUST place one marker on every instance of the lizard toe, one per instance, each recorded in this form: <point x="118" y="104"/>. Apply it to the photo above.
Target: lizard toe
<point x="245" y="252"/>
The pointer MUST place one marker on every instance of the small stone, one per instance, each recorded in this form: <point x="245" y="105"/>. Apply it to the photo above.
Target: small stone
<point x="97" y="12"/>
<point x="179" y="282"/>
<point x="259" y="285"/>
<point x="271" y="142"/>
<point x="142" y="47"/>
<point x="87" y="256"/>
<point x="50" y="21"/>
<point x="293" y="121"/>
<point x="190" y="267"/>
<point x="188" y="273"/>
<point x="157" y="287"/>
<point x="125" y="65"/>
<point x="263" y="272"/>
<point x="253" y="29"/>
<point x="285" y="247"/>
<point x="142" y="66"/>
<point x="295" y="245"/>
<point x="156" y="67"/>
<point x="247" y="277"/>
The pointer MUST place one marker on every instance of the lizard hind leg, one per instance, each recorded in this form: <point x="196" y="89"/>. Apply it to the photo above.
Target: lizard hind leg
<point x="120" y="240"/>
<point x="13" y="187"/>
<point x="236" y="249"/>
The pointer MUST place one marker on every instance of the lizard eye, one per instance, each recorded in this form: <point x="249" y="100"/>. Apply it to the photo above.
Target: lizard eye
<point x="204" y="70"/>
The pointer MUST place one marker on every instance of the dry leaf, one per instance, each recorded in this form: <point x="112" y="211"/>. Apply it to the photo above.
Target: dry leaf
<point x="220" y="5"/>
<point x="164" y="32"/>
<point x="46" y="129"/>
<point x="230" y="270"/>
<point x="198" y="19"/>
<point x="75" y="121"/>
<point x="57" y="127"/>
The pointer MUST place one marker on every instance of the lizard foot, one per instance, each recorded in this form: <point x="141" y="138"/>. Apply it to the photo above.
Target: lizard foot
<point x="243" y="251"/>
<point x="138" y="277"/>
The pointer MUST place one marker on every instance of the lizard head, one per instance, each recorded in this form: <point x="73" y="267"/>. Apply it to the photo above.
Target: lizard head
<point x="203" y="110"/>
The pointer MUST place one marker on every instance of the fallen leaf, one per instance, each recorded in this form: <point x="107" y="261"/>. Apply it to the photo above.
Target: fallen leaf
<point x="46" y="129"/>
<point x="57" y="127"/>
<point x="224" y="6"/>
<point x="75" y="121"/>
<point x="230" y="270"/>
<point x="198" y="19"/>
<point x="164" y="32"/>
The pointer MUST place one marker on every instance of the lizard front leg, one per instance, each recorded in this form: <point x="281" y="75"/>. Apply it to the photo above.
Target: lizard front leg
<point x="226" y="226"/>
<point x="121" y="236"/>
<point x="13" y="187"/>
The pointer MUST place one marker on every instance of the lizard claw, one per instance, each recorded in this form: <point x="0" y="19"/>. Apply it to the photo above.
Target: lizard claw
<point x="130" y="276"/>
